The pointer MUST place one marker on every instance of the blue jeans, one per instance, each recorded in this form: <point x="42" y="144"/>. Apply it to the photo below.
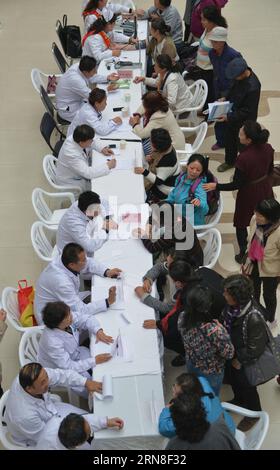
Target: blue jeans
<point x="215" y="380"/>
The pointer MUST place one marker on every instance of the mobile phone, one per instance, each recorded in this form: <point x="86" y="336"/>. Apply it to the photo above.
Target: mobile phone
<point x="118" y="109"/>
<point x="112" y="146"/>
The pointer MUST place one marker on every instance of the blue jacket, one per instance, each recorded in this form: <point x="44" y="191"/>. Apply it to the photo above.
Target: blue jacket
<point x="221" y="83"/>
<point x="212" y="407"/>
<point x="180" y="194"/>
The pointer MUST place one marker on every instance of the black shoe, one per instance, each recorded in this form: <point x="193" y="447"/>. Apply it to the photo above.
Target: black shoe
<point x="178" y="361"/>
<point x="240" y="258"/>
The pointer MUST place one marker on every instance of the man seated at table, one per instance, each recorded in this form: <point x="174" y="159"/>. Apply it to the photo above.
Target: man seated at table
<point x="163" y="9"/>
<point x="30" y="405"/>
<point x="60" y="280"/>
<point x="80" y="223"/>
<point x="76" y="165"/>
<point x="73" y="86"/>
<point x="74" y="431"/>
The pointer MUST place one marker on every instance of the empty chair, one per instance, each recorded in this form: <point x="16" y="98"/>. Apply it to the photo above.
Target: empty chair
<point x="39" y="79"/>
<point x="10" y="304"/>
<point x="42" y="208"/>
<point x="43" y="239"/>
<point x="49" y="163"/>
<point x="59" y="58"/>
<point x="199" y="90"/>
<point x="212" y="220"/>
<point x="211" y="245"/>
<point x="200" y="131"/>
<point x="29" y="345"/>
<point x="50" y="108"/>
<point x="47" y="127"/>
<point x="252" y="439"/>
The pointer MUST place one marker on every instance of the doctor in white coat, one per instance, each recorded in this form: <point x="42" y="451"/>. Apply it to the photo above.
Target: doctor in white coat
<point x="91" y="114"/>
<point x="59" y="344"/>
<point x="74" y="431"/>
<point x="73" y="86"/>
<point x="101" y="42"/>
<point x="77" y="164"/>
<point x="60" y="280"/>
<point x="94" y="9"/>
<point x="30" y="405"/>
<point x="80" y="223"/>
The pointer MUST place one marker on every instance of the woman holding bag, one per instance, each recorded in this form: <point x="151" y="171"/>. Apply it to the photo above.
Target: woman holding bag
<point x="263" y="262"/>
<point x="242" y="318"/>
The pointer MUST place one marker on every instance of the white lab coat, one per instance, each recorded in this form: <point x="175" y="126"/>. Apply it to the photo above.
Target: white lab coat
<point x="106" y="12"/>
<point x="57" y="282"/>
<point x="72" y="91"/>
<point x="74" y="227"/>
<point x="175" y="89"/>
<point x="49" y="439"/>
<point x="26" y="415"/>
<point x="95" y="46"/>
<point x="73" y="168"/>
<point x="88" y="115"/>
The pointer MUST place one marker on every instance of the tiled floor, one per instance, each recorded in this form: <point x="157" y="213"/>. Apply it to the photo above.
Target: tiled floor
<point x="27" y="30"/>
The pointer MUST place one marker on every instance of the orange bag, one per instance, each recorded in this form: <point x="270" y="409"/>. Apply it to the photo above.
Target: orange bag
<point x="25" y="303"/>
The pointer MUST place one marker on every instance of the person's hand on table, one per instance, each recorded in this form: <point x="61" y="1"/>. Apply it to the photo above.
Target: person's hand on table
<point x="112" y="87"/>
<point x="133" y="40"/>
<point x="149" y="324"/>
<point x="111" y="163"/>
<point x="101" y="358"/>
<point x="195" y="202"/>
<point x="112" y="77"/>
<point x="110" y="225"/>
<point x="101" y="336"/>
<point x="112" y="295"/>
<point x="139" y="170"/>
<point x="107" y="151"/>
<point x="117" y="120"/>
<point x="134" y="120"/>
<point x="147" y="285"/>
<point x="138" y="79"/>
<point x="209" y="186"/>
<point x="139" y="291"/>
<point x="115" y="423"/>
<point x="3" y="314"/>
<point x="113" y="273"/>
<point x="93" y="386"/>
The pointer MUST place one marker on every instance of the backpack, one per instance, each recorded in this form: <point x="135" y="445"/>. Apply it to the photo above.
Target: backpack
<point x="212" y="196"/>
<point x="70" y="37"/>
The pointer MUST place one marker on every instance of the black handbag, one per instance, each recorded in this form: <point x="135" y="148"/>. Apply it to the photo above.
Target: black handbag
<point x="267" y="366"/>
<point x="70" y="36"/>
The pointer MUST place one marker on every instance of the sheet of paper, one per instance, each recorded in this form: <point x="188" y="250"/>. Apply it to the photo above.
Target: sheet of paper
<point x="107" y="388"/>
<point x="119" y="304"/>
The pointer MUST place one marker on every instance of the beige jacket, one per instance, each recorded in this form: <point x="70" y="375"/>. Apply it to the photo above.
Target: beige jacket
<point x="3" y="327"/>
<point x="270" y="266"/>
<point x="161" y="120"/>
<point x="167" y="46"/>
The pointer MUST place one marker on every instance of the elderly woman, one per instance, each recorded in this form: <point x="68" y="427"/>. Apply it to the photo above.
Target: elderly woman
<point x="156" y="114"/>
<point x="243" y="315"/>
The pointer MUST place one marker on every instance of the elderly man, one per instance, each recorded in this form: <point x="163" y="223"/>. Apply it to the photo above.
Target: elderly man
<point x="60" y="281"/>
<point x="245" y="95"/>
<point x="74" y="431"/>
<point x="79" y="223"/>
<point x="30" y="405"/>
<point x="163" y="9"/>
<point x="73" y="86"/>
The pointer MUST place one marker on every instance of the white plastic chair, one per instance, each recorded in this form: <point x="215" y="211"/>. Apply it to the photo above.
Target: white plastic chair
<point x="42" y="209"/>
<point x="49" y="163"/>
<point x="28" y="352"/>
<point x="212" y="220"/>
<point x="252" y="439"/>
<point x="199" y="90"/>
<point x="10" y="304"/>
<point x="212" y="247"/>
<point x="43" y="240"/>
<point x="39" y="78"/>
<point x="200" y="131"/>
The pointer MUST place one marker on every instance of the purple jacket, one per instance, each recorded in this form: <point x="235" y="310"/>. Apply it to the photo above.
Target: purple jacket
<point x="196" y="26"/>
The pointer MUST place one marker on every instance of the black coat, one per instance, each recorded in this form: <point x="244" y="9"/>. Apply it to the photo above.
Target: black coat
<point x="245" y="96"/>
<point x="205" y="277"/>
<point x="257" y="337"/>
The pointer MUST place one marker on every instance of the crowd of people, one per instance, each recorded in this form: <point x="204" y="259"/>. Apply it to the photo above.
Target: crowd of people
<point x="215" y="325"/>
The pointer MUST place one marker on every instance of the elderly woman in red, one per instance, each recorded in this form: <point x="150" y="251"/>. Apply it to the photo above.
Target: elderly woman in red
<point x="252" y="167"/>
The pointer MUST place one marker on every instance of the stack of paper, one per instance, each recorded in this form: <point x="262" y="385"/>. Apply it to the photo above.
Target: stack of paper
<point x="218" y="109"/>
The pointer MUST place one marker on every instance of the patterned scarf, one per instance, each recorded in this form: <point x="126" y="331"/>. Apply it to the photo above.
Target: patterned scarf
<point x="231" y="312"/>
<point x="256" y="250"/>
<point x="104" y="36"/>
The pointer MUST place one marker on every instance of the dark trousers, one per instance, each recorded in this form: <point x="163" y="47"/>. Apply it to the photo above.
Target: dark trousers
<point x="220" y="130"/>
<point x="231" y="142"/>
<point x="269" y="291"/>
<point x="245" y="395"/>
<point x="241" y="235"/>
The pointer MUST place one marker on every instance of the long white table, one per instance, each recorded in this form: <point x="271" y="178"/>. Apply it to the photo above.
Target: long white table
<point x="137" y="396"/>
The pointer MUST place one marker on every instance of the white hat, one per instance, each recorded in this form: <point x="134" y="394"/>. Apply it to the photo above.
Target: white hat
<point x="218" y="34"/>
